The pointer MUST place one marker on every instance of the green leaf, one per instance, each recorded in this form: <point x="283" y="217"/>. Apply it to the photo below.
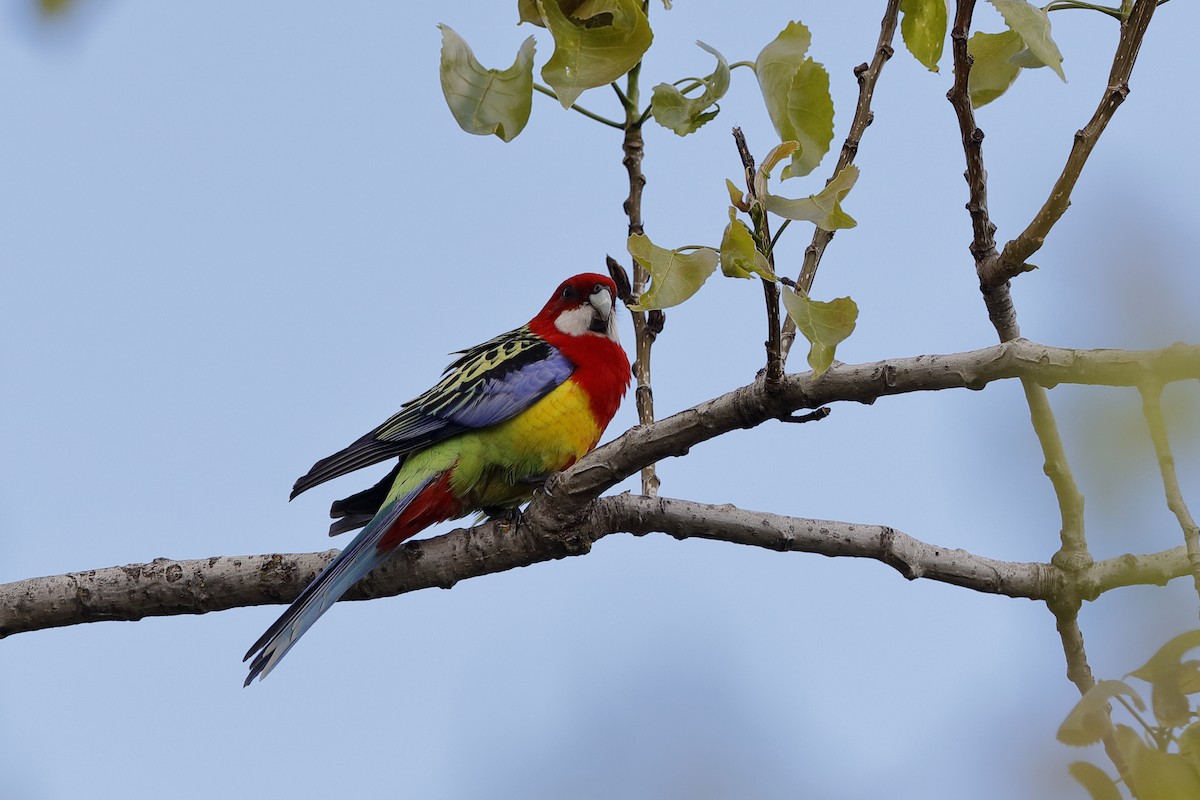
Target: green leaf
<point x="993" y="71"/>
<point x="1168" y="656"/>
<point x="796" y="91"/>
<point x="674" y="276"/>
<point x="736" y="197"/>
<point x="1156" y="775"/>
<point x="778" y="153"/>
<point x="810" y="110"/>
<point x="682" y="114"/>
<point x="1170" y="704"/>
<point x="594" y="44"/>
<point x="825" y="325"/>
<point x="1088" y="721"/>
<point x="1189" y="744"/>
<point x="1167" y="673"/>
<point x="1095" y="780"/>
<point x="823" y="208"/>
<point x="1033" y="26"/>
<point x="1025" y="60"/>
<point x="1128" y="742"/>
<point x="588" y="10"/>
<point x="527" y="11"/>
<point x="486" y="101"/>
<point x="923" y="27"/>
<point x="740" y="257"/>
<point x="778" y="61"/>
<point x="1190" y="681"/>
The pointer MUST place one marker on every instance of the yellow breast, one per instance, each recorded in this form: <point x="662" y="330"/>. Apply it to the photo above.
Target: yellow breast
<point x="501" y="465"/>
<point x="558" y="429"/>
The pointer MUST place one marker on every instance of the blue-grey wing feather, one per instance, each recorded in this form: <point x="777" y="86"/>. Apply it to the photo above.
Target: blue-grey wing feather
<point x="490" y="383"/>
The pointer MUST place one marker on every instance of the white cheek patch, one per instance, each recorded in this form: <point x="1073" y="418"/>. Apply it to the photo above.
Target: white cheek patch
<point x="576" y="321"/>
<point x="612" y="329"/>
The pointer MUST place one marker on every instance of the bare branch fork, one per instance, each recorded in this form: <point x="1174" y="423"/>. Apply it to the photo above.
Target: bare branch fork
<point x="995" y="269"/>
<point x="567" y="518"/>
<point x="994" y="276"/>
<point x="1011" y="262"/>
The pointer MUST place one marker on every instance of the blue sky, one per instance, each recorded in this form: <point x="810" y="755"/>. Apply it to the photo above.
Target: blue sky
<point x="235" y="237"/>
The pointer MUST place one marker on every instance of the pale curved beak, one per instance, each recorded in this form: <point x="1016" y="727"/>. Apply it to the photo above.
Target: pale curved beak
<point x="602" y="301"/>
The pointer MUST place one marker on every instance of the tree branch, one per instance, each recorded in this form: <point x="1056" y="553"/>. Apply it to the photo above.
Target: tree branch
<point x="645" y="328"/>
<point x="910" y="557"/>
<point x="575" y="107"/>
<point x="996" y="297"/>
<point x="1073" y="551"/>
<point x="762" y="232"/>
<point x="1012" y="261"/>
<point x="566" y="518"/>
<point x="1079" y="672"/>
<point x="995" y="270"/>
<point x="166" y="587"/>
<point x="868" y="77"/>
<point x="751" y="405"/>
<point x="1152" y="408"/>
<point x="1151" y="569"/>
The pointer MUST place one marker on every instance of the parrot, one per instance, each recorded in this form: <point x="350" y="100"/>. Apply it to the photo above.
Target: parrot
<point x="505" y="416"/>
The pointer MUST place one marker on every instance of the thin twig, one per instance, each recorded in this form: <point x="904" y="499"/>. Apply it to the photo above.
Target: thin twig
<point x="1066" y="616"/>
<point x="775" y="241"/>
<point x="1073" y="553"/>
<point x="1012" y="261"/>
<point x="589" y="114"/>
<point x="983" y="243"/>
<point x="1063" y="5"/>
<point x="762" y="234"/>
<point x="625" y="103"/>
<point x="1133" y="712"/>
<point x="634" y="147"/>
<point x="812" y="416"/>
<point x="868" y="77"/>
<point x="1152" y="408"/>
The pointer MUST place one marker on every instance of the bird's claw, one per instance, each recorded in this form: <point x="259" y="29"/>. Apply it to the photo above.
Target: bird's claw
<point x="508" y="517"/>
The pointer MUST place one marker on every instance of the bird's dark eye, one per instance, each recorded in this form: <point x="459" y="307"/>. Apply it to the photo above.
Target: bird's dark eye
<point x="568" y="292"/>
<point x="599" y="287"/>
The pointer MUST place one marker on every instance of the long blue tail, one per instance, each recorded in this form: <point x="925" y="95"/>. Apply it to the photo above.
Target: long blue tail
<point x="360" y="557"/>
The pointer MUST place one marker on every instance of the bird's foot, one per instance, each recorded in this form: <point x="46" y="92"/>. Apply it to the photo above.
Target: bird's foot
<point x="507" y="517"/>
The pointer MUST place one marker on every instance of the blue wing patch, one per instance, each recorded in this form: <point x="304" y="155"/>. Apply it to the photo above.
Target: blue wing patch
<point x="497" y="395"/>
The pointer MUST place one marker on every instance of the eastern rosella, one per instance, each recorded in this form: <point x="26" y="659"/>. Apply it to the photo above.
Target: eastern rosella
<point x="505" y="416"/>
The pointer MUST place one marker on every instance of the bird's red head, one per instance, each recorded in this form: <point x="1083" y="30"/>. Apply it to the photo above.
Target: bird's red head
<point x="584" y="305"/>
<point x="580" y="321"/>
